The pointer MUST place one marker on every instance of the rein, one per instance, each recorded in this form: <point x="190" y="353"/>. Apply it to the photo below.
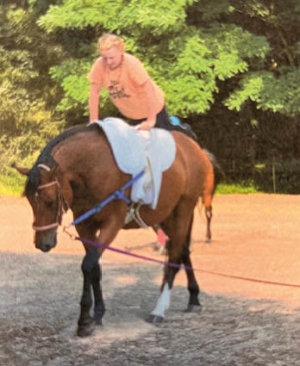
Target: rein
<point x="117" y="195"/>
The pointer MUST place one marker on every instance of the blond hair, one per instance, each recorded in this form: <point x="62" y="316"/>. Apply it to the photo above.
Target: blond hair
<point x="108" y="41"/>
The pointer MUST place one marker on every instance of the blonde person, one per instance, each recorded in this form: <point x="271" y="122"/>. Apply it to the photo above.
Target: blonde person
<point x="131" y="90"/>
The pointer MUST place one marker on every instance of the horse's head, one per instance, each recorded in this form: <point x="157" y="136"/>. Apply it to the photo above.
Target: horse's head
<point x="43" y="192"/>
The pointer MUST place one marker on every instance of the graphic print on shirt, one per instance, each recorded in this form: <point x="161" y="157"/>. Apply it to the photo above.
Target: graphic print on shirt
<point x="116" y="90"/>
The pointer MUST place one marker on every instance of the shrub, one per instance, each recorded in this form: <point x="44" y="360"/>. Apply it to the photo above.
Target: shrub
<point x="279" y="177"/>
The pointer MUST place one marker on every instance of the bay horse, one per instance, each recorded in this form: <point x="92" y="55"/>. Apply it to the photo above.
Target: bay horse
<point x="77" y="170"/>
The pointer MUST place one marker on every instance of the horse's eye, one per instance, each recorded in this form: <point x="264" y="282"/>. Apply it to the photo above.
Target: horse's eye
<point x="49" y="204"/>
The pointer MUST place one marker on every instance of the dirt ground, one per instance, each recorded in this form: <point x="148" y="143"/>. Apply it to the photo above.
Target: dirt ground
<point x="249" y="276"/>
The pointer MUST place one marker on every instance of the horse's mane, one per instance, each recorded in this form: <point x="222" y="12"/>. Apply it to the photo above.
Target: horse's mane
<point x="47" y="159"/>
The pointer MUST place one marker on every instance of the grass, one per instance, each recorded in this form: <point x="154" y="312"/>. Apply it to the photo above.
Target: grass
<point x="11" y="185"/>
<point x="236" y="188"/>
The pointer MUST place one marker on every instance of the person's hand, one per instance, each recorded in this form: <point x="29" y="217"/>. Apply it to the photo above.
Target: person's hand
<point x="146" y="125"/>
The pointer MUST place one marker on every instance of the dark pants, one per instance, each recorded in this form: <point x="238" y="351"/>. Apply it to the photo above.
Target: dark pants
<point x="163" y="121"/>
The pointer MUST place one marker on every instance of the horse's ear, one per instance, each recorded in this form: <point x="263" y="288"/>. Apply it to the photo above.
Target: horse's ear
<point x="23" y="171"/>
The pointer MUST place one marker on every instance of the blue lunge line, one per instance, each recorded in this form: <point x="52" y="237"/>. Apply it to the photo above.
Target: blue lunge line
<point x="117" y="195"/>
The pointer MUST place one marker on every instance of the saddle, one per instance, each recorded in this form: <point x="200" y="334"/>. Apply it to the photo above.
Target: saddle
<point x="134" y="151"/>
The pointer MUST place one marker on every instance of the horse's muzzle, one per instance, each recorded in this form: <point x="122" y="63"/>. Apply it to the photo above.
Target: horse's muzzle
<point x="45" y="241"/>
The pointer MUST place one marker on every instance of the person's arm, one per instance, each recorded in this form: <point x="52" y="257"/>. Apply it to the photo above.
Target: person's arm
<point x="94" y="102"/>
<point x="151" y="118"/>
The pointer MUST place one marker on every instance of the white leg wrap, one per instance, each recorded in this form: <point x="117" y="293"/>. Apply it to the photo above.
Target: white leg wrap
<point x="163" y="302"/>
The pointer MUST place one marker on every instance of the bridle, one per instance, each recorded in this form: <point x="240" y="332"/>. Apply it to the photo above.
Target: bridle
<point x="60" y="198"/>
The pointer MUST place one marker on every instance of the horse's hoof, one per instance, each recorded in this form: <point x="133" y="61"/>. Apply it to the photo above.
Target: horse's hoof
<point x="207" y="241"/>
<point x="98" y="315"/>
<point x="193" y="309"/>
<point x="85" y="330"/>
<point x="155" y="319"/>
<point x="97" y="320"/>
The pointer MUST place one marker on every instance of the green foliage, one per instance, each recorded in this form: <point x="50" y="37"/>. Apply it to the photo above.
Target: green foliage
<point x="158" y="17"/>
<point x="233" y="48"/>
<point x="278" y="94"/>
<point x="221" y="64"/>
<point x="191" y="82"/>
<point x="71" y="74"/>
<point x="199" y="58"/>
<point x="27" y="118"/>
<point x="212" y="12"/>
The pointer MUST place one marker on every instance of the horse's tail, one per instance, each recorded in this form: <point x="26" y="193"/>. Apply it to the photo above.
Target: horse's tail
<point x="218" y="171"/>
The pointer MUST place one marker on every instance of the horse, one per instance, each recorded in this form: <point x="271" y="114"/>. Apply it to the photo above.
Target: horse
<point x="77" y="170"/>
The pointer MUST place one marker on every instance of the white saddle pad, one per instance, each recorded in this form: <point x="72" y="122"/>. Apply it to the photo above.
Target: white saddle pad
<point x="151" y="151"/>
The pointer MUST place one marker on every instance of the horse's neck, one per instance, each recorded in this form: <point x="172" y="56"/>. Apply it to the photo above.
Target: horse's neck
<point x="81" y="152"/>
<point x="86" y="164"/>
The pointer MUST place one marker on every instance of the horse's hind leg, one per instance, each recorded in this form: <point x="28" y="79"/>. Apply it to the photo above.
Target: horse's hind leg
<point x="208" y="215"/>
<point x="193" y="288"/>
<point x="157" y="315"/>
<point x="163" y="303"/>
<point x="178" y="253"/>
<point x="207" y="202"/>
<point x="99" y="307"/>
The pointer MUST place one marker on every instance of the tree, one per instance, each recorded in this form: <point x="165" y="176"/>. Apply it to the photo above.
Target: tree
<point x="28" y="96"/>
<point x="229" y="67"/>
<point x="186" y="58"/>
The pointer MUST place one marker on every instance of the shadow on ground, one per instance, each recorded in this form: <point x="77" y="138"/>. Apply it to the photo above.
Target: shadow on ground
<point x="39" y="302"/>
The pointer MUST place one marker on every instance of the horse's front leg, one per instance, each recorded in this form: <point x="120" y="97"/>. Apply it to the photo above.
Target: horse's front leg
<point x="89" y="268"/>
<point x="114" y="220"/>
<point x="99" y="306"/>
<point x="193" y="287"/>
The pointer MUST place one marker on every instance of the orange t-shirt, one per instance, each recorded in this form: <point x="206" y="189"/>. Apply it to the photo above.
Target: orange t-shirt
<point x="124" y="85"/>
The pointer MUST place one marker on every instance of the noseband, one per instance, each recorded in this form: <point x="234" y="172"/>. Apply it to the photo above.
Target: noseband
<point x="60" y="210"/>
